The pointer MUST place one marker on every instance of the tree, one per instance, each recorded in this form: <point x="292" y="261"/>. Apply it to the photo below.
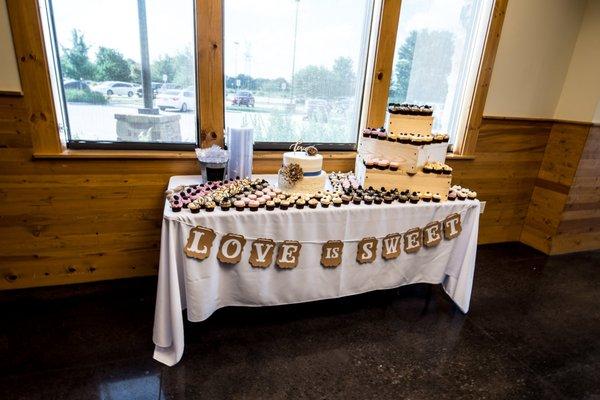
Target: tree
<point x="75" y="62"/>
<point x="135" y="71"/>
<point x="403" y="67"/>
<point x="431" y="66"/>
<point x="164" y="65"/>
<point x="421" y="73"/>
<point x="185" y="71"/>
<point x="314" y="82"/>
<point x="343" y="73"/>
<point x="112" y="66"/>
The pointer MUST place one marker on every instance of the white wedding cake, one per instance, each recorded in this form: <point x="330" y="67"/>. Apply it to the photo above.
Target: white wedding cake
<point x="302" y="171"/>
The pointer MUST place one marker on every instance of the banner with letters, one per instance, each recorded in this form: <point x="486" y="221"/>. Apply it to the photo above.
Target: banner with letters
<point x="285" y="254"/>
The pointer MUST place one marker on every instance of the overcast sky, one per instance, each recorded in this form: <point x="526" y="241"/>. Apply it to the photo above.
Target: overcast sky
<point x="259" y="34"/>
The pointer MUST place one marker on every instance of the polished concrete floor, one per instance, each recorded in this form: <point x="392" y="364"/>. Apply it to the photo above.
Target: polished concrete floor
<point x="533" y="332"/>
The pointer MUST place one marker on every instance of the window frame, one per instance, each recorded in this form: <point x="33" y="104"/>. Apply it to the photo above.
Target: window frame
<point x="29" y="43"/>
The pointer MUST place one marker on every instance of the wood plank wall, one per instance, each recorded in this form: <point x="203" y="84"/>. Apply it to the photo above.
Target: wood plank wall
<point x="545" y="226"/>
<point x="579" y="227"/>
<point x="66" y="221"/>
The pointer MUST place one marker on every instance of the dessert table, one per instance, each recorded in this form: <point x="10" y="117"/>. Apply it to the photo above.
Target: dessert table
<point x="202" y="287"/>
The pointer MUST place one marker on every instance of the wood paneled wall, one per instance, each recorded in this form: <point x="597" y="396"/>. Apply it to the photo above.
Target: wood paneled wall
<point x="75" y="220"/>
<point x="579" y="227"/>
<point x="564" y="182"/>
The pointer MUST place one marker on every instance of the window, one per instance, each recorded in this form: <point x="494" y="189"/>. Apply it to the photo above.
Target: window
<point x="439" y="46"/>
<point x="100" y="50"/>
<point x="295" y="69"/>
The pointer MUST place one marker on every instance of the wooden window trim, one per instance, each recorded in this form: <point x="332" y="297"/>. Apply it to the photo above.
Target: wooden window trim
<point x="384" y="61"/>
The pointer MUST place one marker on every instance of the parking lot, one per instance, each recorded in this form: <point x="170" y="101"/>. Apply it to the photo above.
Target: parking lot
<point x="269" y="116"/>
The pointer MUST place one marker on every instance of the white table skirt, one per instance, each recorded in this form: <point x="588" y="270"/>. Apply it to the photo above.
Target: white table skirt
<point x="202" y="287"/>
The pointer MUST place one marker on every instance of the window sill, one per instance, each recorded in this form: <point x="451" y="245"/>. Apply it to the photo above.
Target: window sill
<point x="117" y="154"/>
<point x="170" y="155"/>
<point x="188" y="155"/>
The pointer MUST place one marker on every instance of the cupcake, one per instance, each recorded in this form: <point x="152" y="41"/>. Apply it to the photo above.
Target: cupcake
<point x="426" y="197"/>
<point x="403" y="198"/>
<point x="239" y="205"/>
<point x="461" y="196"/>
<point x="225" y="205"/>
<point x="369" y="164"/>
<point x="346" y="199"/>
<point x="357" y="200"/>
<point x="277" y="202"/>
<point x="472" y="195"/>
<point x="392" y="137"/>
<point x="446" y="169"/>
<point x="313" y="203"/>
<point x="261" y="201"/>
<point x="394" y="165"/>
<point x="325" y="201"/>
<point x="428" y="168"/>
<point x="337" y="202"/>
<point x="366" y="132"/>
<point x="210" y="206"/>
<point x="284" y="204"/>
<point x="446" y="139"/>
<point x="383" y="164"/>
<point x="452" y="195"/>
<point x="414" y="198"/>
<point x="377" y="199"/>
<point x="194" y="208"/>
<point x="368" y="200"/>
<point x="374" y="133"/>
<point x="382" y="135"/>
<point x="388" y="198"/>
<point x="252" y="196"/>
<point x="437" y="169"/>
<point x="270" y="205"/>
<point x="253" y="205"/>
<point x="300" y="203"/>
<point x="436" y="198"/>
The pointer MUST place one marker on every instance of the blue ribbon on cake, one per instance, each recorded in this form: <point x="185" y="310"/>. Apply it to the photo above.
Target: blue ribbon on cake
<point x="316" y="173"/>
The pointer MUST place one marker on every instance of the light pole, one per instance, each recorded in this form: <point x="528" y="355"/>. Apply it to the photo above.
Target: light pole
<point x="146" y="76"/>
<point x="294" y="52"/>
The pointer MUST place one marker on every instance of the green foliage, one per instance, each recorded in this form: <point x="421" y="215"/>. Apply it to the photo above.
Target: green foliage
<point x="84" y="96"/>
<point x="323" y="83"/>
<point x="136" y="71"/>
<point x="432" y="64"/>
<point x="74" y="61"/>
<point x="424" y="67"/>
<point x="165" y="65"/>
<point x="179" y="68"/>
<point x="111" y="66"/>
<point x="402" y="69"/>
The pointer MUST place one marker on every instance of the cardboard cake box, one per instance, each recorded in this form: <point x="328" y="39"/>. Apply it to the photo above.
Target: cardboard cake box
<point x="410" y="157"/>
<point x="417" y="182"/>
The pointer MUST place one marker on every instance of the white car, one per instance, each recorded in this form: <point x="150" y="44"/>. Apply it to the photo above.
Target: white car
<point x="181" y="100"/>
<point x="116" y="88"/>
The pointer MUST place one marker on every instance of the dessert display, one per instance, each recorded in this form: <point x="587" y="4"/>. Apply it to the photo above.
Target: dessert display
<point x="302" y="170"/>
<point x="409" y="156"/>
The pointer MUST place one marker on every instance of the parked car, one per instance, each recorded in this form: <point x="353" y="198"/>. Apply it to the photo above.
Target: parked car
<point x="182" y="100"/>
<point x="111" y="88"/>
<point x="243" y="98"/>
<point x="75" y="85"/>
<point x="169" y="86"/>
<point x="156" y="86"/>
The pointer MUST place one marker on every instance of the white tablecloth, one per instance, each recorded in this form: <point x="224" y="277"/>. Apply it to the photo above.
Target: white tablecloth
<point x="202" y="287"/>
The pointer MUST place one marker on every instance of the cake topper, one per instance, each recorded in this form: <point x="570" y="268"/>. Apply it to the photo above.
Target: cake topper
<point x="310" y="150"/>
